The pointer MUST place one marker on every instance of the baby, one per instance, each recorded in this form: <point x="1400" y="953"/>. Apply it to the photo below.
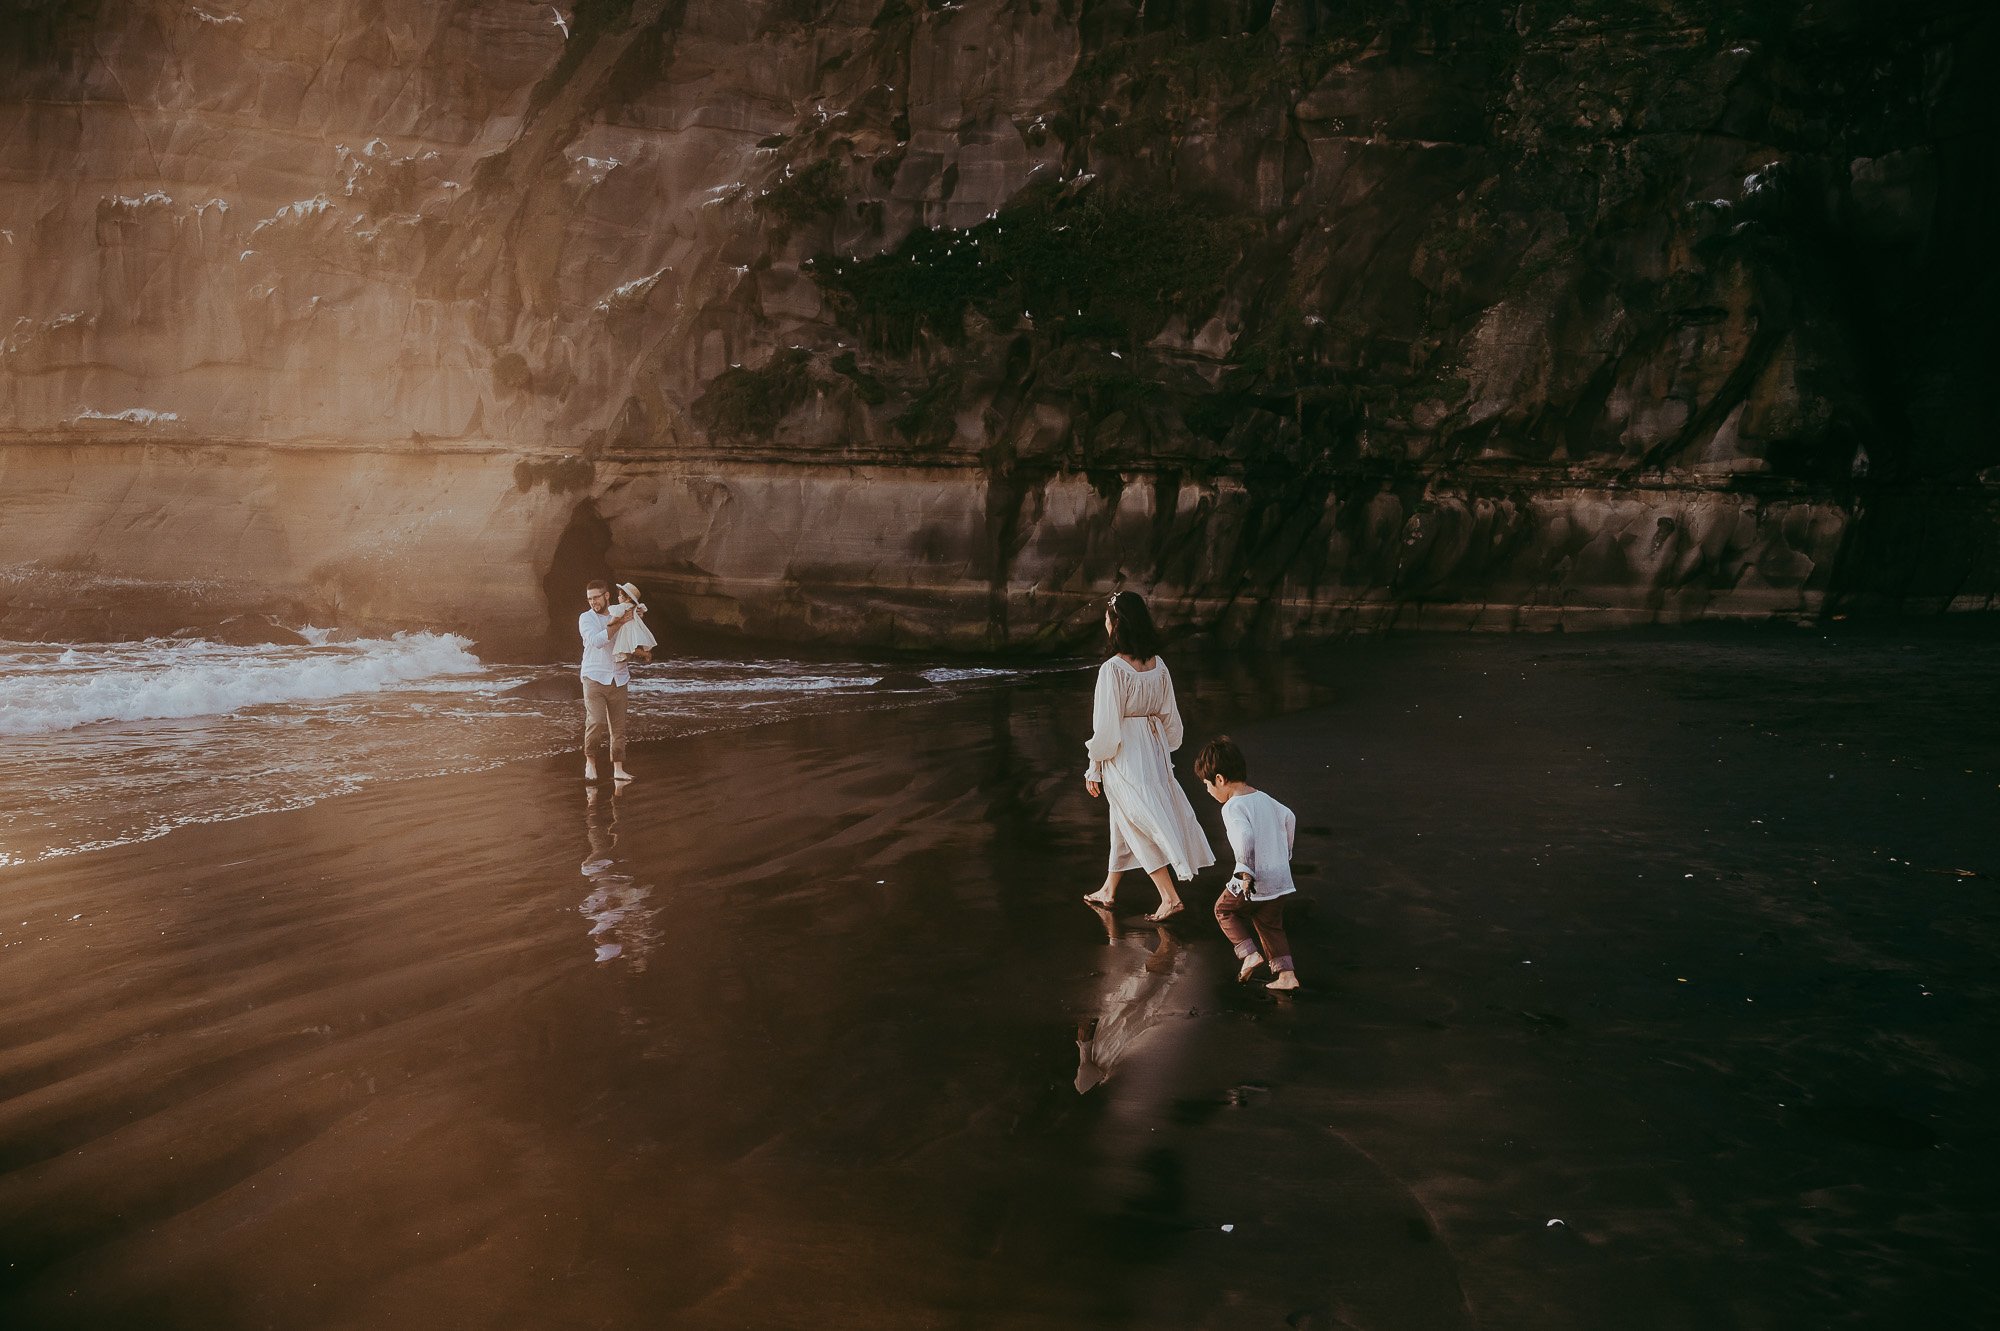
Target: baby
<point x="634" y="641"/>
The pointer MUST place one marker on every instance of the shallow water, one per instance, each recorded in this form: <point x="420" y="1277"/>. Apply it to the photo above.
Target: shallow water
<point x="109" y="743"/>
<point x="1683" y="941"/>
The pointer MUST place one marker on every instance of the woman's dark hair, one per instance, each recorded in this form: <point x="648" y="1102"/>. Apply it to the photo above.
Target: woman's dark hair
<point x="1220" y="757"/>
<point x="1132" y="630"/>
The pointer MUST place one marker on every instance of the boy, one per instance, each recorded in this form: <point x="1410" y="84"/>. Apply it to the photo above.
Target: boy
<point x="1261" y="832"/>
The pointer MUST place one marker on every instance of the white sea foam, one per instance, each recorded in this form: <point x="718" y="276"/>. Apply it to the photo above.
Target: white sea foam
<point x="104" y="744"/>
<point x="643" y="684"/>
<point x="161" y="681"/>
<point x="960" y="674"/>
<point x="131" y="416"/>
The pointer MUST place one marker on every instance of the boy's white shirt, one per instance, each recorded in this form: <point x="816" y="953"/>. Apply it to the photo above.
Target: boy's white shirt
<point x="1261" y="832"/>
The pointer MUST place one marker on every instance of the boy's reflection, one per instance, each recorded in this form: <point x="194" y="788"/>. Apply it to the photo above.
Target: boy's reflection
<point x="621" y="923"/>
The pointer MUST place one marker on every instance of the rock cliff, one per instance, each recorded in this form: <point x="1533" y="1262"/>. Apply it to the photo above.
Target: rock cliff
<point x="931" y="322"/>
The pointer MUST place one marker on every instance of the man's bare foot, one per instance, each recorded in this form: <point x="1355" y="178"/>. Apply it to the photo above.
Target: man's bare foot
<point x="590" y="771"/>
<point x="1167" y="911"/>
<point x="1249" y="966"/>
<point x="1285" y="983"/>
<point x="618" y="773"/>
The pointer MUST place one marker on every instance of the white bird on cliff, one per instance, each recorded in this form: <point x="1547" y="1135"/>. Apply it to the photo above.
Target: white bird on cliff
<point x="560" y="21"/>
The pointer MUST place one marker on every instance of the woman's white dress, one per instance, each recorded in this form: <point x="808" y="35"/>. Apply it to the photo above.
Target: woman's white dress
<point x="1137" y="727"/>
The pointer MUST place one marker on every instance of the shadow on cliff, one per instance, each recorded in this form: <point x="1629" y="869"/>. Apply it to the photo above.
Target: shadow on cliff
<point x="578" y="559"/>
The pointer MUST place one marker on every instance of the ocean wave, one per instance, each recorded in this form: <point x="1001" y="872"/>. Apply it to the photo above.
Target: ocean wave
<point x="164" y="681"/>
<point x="676" y="684"/>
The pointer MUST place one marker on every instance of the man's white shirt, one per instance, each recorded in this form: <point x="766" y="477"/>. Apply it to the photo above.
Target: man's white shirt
<point x="599" y="665"/>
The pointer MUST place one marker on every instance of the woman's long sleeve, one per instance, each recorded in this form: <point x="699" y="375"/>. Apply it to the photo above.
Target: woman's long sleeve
<point x="1105" y="715"/>
<point x="1175" y="733"/>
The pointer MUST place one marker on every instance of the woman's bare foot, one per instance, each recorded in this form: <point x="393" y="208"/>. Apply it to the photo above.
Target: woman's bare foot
<point x="1249" y="966"/>
<point x="1167" y="911"/>
<point x="1285" y="983"/>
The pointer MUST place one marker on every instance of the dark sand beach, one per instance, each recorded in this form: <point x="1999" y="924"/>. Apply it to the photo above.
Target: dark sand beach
<point x="1649" y="983"/>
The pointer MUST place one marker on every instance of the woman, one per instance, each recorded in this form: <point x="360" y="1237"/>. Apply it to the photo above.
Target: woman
<point x="1137" y="727"/>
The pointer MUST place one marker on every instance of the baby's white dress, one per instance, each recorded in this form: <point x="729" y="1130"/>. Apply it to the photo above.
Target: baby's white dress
<point x="632" y="635"/>
<point x="1137" y="726"/>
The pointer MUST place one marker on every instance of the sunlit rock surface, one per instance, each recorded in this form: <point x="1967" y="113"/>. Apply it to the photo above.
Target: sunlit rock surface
<point x="904" y="323"/>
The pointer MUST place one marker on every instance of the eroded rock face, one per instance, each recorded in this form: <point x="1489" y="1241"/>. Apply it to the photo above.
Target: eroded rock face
<point x="908" y="322"/>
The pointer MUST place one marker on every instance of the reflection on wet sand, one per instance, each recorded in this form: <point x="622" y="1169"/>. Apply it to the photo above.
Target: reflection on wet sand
<point x="351" y="1067"/>
<point x="1139" y="984"/>
<point x="622" y="923"/>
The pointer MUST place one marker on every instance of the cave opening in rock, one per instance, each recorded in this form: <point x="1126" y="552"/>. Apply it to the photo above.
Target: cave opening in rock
<point x="579" y="557"/>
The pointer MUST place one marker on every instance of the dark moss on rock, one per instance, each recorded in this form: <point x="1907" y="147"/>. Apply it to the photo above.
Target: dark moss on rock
<point x="803" y="195"/>
<point x="1117" y="267"/>
<point x="931" y="417"/>
<point x="866" y="386"/>
<point x="751" y="403"/>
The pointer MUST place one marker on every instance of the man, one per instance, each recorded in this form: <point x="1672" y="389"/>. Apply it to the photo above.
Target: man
<point x="604" y="681"/>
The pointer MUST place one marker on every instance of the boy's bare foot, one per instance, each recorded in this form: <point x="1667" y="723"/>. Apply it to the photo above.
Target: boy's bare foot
<point x="1249" y="966"/>
<point x="1286" y="981"/>
<point x="1167" y="911"/>
<point x="618" y="773"/>
<point x="590" y="771"/>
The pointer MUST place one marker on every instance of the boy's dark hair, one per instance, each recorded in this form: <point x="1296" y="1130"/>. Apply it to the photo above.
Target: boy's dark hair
<point x="1132" y="630"/>
<point x="597" y="585"/>
<point x="1220" y="757"/>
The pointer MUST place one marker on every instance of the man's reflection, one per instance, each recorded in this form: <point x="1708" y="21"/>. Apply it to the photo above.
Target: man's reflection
<point x="621" y="923"/>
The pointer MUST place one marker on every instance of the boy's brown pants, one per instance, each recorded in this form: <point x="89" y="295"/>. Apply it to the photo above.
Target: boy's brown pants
<point x="1239" y="915"/>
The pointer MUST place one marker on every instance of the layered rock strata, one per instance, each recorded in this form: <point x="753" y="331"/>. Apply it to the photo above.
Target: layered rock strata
<point x="907" y="324"/>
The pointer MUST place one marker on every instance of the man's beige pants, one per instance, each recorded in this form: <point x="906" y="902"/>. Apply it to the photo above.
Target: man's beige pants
<point x="603" y="718"/>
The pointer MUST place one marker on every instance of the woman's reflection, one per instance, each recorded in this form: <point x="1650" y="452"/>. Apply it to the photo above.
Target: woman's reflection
<point x="1138" y="983"/>
<point x="621" y="923"/>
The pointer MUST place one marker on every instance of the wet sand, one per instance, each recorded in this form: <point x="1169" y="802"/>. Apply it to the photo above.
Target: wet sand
<point x="1663" y="937"/>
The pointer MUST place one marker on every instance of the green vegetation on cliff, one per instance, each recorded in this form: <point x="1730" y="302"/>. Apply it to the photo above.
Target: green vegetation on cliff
<point x="1114" y="268"/>
<point x="750" y="403"/>
<point x="33" y="30"/>
<point x="802" y="196"/>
